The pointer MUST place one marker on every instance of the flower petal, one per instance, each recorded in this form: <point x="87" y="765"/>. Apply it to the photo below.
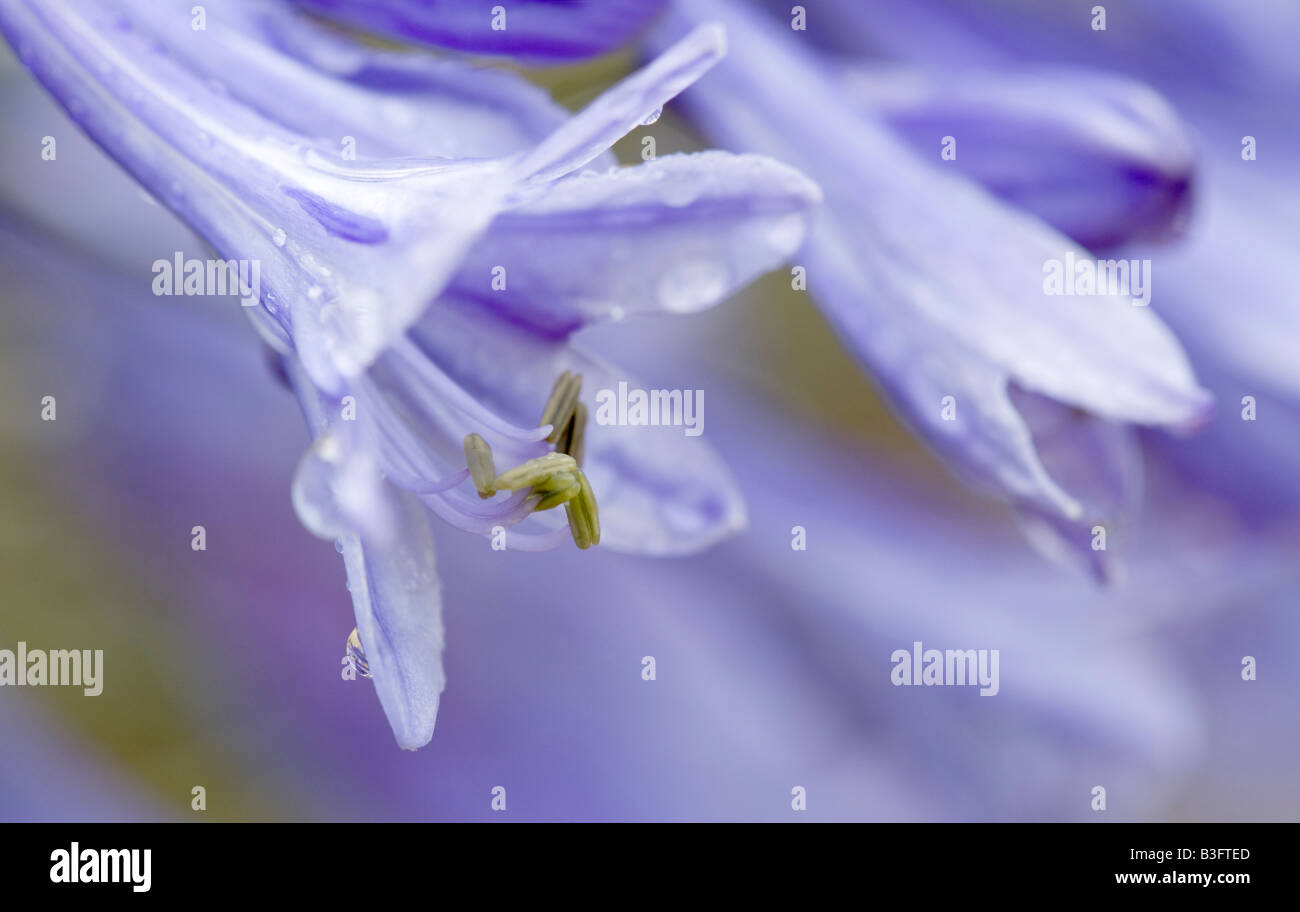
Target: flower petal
<point x="329" y="87"/>
<point x="396" y="594"/>
<point x="528" y="29"/>
<point x="629" y="103"/>
<point x="350" y="251"/>
<point x="936" y="286"/>
<point x="1101" y="158"/>
<point x="676" y="234"/>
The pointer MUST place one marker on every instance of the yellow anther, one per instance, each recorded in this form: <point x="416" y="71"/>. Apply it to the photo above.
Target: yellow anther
<point x="478" y="456"/>
<point x="535" y="471"/>
<point x="562" y="404"/>
<point x="555" y="478"/>
<point x="577" y="436"/>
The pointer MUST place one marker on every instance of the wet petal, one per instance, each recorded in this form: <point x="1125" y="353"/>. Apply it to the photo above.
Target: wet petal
<point x="676" y="234"/>
<point x="350" y="251"/>
<point x="396" y="592"/>
<point x="531" y="30"/>
<point x="397" y="597"/>
<point x="626" y="105"/>
<point x="331" y="88"/>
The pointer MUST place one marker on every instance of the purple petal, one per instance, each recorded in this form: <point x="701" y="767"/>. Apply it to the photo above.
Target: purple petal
<point x="328" y="86"/>
<point x="676" y="234"/>
<point x="1101" y="158"/>
<point x="935" y="285"/>
<point x="626" y="105"/>
<point x="535" y="30"/>
<point x="396" y="594"/>
<point x="258" y="190"/>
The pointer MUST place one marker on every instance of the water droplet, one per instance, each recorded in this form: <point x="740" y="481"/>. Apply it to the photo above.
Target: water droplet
<point x="313" y="491"/>
<point x="692" y="284"/>
<point x="279" y="237"/>
<point x="338" y="545"/>
<point x="652" y="117"/>
<point x="357" y="654"/>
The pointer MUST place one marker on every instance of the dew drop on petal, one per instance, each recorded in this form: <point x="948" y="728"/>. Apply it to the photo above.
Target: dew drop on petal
<point x="691" y="284"/>
<point x="357" y="655"/>
<point x="313" y="490"/>
<point x="652" y="117"/>
<point x="279" y="237"/>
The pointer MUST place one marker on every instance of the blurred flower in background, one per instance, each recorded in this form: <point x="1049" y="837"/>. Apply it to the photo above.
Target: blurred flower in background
<point x="771" y="664"/>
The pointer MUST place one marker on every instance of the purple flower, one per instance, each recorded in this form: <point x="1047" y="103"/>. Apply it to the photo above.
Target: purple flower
<point x="355" y="248"/>
<point x="938" y="288"/>
<point x="773" y="663"/>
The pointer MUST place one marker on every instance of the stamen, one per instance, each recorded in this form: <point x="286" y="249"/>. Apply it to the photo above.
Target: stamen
<point x="478" y="456"/>
<point x="535" y="471"/>
<point x="577" y="434"/>
<point x="581" y="512"/>
<point x="563" y="442"/>
<point x="587" y="502"/>
<point x="562" y="404"/>
<point x="553" y="496"/>
<point x="546" y="481"/>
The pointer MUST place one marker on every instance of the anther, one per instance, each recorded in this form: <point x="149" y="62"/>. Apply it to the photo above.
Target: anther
<point x="577" y="436"/>
<point x="478" y="456"/>
<point x="584" y="523"/>
<point x="562" y="404"/>
<point x="534" y="471"/>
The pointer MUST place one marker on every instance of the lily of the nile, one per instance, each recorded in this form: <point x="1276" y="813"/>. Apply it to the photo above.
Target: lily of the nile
<point x="538" y="31"/>
<point x="354" y="250"/>
<point x="939" y="289"/>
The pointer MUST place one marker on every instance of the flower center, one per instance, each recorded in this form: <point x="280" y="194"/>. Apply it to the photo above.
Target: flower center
<point x="555" y="478"/>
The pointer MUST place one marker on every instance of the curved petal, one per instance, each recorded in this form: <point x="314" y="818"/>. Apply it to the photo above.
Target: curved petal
<point x="935" y="285"/>
<point x="630" y="102"/>
<point x="676" y="234"/>
<point x="534" y="30"/>
<point x="349" y="250"/>
<point x="396" y="595"/>
<point x="330" y="88"/>
<point x="1101" y="158"/>
<point x="1100" y="464"/>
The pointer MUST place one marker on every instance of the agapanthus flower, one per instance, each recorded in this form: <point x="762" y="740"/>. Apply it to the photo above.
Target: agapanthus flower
<point x="374" y="287"/>
<point x="937" y="286"/>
